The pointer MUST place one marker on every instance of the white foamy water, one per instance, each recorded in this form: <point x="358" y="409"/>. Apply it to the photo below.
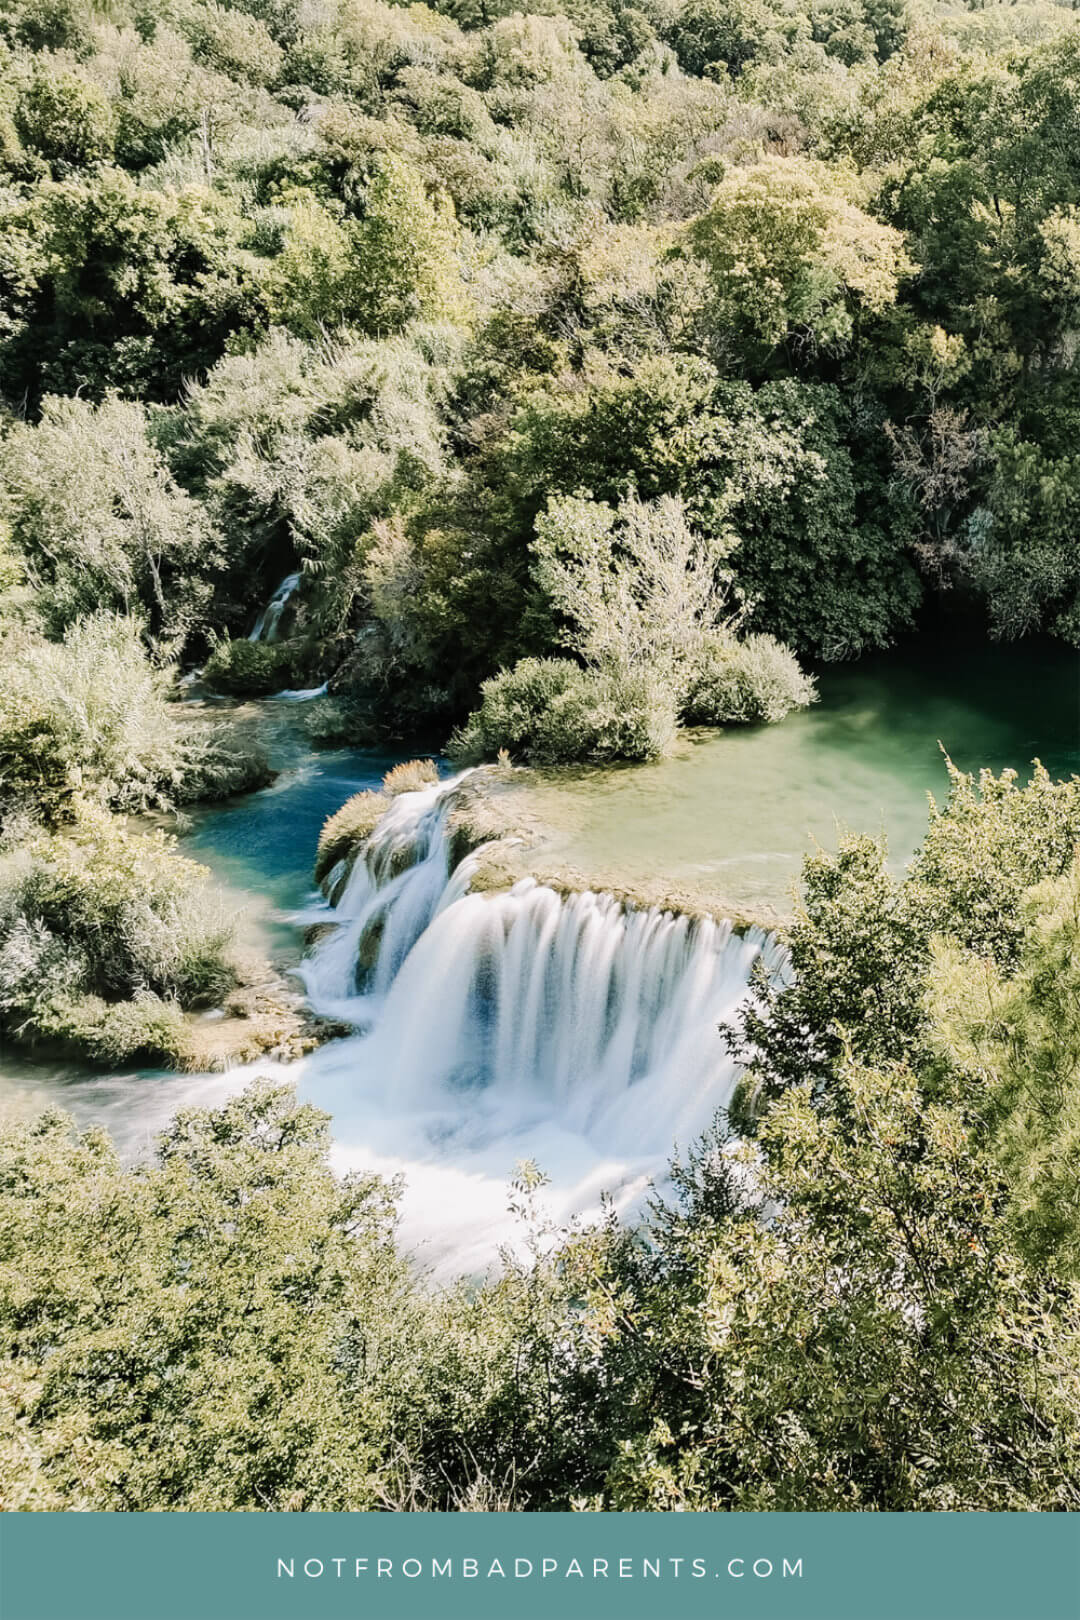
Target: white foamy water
<point x="520" y="1025"/>
<point x="266" y="625"/>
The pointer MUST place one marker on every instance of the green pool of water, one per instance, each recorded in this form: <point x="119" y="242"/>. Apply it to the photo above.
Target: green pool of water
<point x="738" y="809"/>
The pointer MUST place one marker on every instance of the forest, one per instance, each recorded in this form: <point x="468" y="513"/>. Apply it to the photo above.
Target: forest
<point x="589" y="374"/>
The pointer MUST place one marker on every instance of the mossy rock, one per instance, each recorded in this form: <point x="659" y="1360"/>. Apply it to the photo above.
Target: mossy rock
<point x="493" y="877"/>
<point x="411" y="776"/>
<point x="346" y="830"/>
<point x="367" y="953"/>
<point x="483" y="810"/>
<point x="402" y="857"/>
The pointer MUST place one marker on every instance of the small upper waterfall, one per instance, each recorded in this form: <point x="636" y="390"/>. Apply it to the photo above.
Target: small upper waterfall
<point x="569" y="1029"/>
<point x="266" y="625"/>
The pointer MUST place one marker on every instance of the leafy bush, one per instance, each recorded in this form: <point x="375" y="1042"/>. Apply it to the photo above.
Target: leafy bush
<point x="65" y="117"/>
<point x="90" y="716"/>
<point x="861" y="941"/>
<point x="146" y="1029"/>
<point x="1015" y="1036"/>
<point x="985" y="846"/>
<point x="102" y="523"/>
<point x="636" y="584"/>
<point x="750" y="682"/>
<point x="255" y="668"/>
<point x="105" y="936"/>
<point x="244" y="1193"/>
<point x="296" y="447"/>
<point x="549" y="711"/>
<point x="787" y="251"/>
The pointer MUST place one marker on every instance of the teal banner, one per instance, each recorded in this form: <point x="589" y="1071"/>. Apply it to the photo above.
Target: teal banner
<point x="546" y="1566"/>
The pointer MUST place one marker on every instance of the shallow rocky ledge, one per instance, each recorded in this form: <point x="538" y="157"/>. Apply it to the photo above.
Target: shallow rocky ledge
<point x="264" y="1016"/>
<point x="494" y="807"/>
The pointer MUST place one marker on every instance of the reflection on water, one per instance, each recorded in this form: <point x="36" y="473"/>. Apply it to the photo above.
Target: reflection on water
<point x="740" y="808"/>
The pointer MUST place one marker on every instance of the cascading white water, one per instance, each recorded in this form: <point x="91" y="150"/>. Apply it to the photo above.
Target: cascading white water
<point x="522" y="1024"/>
<point x="266" y="625"/>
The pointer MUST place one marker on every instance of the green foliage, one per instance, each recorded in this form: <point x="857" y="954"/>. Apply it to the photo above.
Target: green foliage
<point x="862" y="941"/>
<point x="386" y="265"/>
<point x="789" y="257"/>
<point x="266" y="1290"/>
<point x="311" y="283"/>
<point x="550" y="711"/>
<point x="406" y="251"/>
<point x="858" y="958"/>
<point x="89" y="718"/>
<point x="782" y="482"/>
<point x="235" y="42"/>
<point x="295" y="449"/>
<point x="831" y="1349"/>
<point x="636" y="586"/>
<point x="987" y="845"/>
<point x="346" y="829"/>
<point x="821" y="549"/>
<point x="1015" y="1042"/>
<point x="1024" y="559"/>
<point x="66" y="118"/>
<point x="105" y="935"/>
<point x="100" y="521"/>
<point x="113" y="285"/>
<point x="750" y="682"/>
<point x="254" y="668"/>
<point x="644" y="600"/>
<point x="711" y="34"/>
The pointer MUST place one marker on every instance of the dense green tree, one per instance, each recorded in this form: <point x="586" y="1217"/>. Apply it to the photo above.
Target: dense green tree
<point x="1013" y="1040"/>
<point x="119" y="286"/>
<point x="66" y="118"/>
<point x="406" y="251"/>
<point x="106" y="938"/>
<point x="246" y="1303"/>
<point x="791" y="259"/>
<point x="88" y="718"/>
<point x="875" y="1344"/>
<point x="862" y="941"/>
<point x="841" y="197"/>
<point x="822" y="553"/>
<point x="1022" y="553"/>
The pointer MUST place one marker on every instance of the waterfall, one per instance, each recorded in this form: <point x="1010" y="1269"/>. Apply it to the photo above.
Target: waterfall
<point x="266" y="625"/>
<point x="521" y="1024"/>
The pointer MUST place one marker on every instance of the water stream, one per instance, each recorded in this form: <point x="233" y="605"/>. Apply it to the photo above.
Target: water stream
<point x="521" y="1024"/>
<point x="738" y="809"/>
<point x="496" y="1028"/>
<point x="268" y="622"/>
